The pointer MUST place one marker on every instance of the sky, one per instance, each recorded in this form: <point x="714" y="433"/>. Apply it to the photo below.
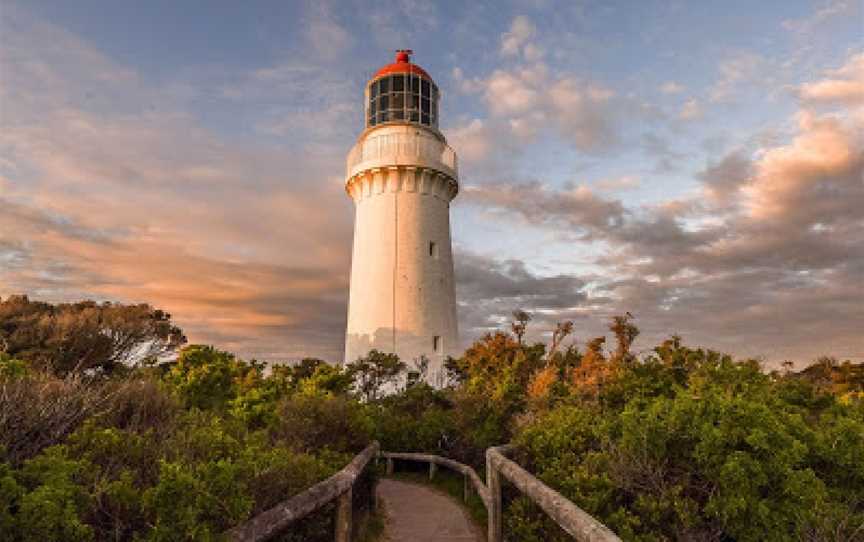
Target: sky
<point x="700" y="165"/>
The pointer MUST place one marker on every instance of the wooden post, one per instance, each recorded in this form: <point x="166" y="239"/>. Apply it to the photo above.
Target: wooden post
<point x="433" y="467"/>
<point x="343" y="517"/>
<point x="493" y="482"/>
<point x="465" y="487"/>
<point x="389" y="466"/>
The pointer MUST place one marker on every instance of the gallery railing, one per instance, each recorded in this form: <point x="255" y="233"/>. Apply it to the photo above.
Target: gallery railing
<point x="415" y="148"/>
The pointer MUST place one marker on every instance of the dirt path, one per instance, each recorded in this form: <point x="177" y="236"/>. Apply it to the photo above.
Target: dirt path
<point x="417" y="513"/>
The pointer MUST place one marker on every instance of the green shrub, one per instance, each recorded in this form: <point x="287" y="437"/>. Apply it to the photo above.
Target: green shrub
<point x="197" y="502"/>
<point x="53" y="506"/>
<point x="707" y="447"/>
<point x="205" y="377"/>
<point x="309" y="423"/>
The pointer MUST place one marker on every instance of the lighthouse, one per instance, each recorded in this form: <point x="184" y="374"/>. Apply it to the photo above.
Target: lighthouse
<point x="402" y="176"/>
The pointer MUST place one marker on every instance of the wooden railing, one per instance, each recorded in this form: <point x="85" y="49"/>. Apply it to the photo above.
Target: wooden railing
<point x="468" y="474"/>
<point x="575" y="521"/>
<point x="275" y="521"/>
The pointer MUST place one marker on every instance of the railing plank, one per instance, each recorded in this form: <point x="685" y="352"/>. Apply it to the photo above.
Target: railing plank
<point x="575" y="521"/>
<point x="274" y="521"/>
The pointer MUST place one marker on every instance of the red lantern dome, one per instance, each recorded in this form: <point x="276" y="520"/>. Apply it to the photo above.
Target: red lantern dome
<point x="402" y="92"/>
<point x="402" y="64"/>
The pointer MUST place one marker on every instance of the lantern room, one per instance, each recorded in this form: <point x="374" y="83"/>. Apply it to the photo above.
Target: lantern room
<point x="402" y="92"/>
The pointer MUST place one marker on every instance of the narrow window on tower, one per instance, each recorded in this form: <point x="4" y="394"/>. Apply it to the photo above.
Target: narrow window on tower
<point x="436" y="344"/>
<point x="433" y="249"/>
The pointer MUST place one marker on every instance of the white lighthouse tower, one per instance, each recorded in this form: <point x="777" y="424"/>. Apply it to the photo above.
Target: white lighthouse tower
<point x="402" y="176"/>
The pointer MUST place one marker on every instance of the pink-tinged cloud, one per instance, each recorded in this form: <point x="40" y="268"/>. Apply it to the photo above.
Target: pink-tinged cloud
<point x="844" y="86"/>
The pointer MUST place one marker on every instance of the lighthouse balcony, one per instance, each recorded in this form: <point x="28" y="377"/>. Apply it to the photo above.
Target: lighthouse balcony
<point x="401" y="145"/>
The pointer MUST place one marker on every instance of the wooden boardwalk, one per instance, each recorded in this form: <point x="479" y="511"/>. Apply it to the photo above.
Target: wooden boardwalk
<point x="417" y="513"/>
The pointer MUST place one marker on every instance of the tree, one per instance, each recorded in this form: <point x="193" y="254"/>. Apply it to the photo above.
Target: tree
<point x="76" y="337"/>
<point x="625" y="333"/>
<point x="419" y="373"/>
<point x="520" y="324"/>
<point x="562" y="330"/>
<point x="205" y="377"/>
<point x="305" y="369"/>
<point x="375" y="371"/>
<point x="593" y="369"/>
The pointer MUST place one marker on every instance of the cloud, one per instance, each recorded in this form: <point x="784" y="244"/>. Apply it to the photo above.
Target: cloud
<point x="659" y="148"/>
<point x="115" y="188"/>
<point x="247" y="245"/>
<point x="474" y="139"/>
<point x="671" y="87"/>
<point x="830" y="10"/>
<point x="691" y="110"/>
<point x="737" y="70"/>
<point x="394" y="24"/>
<point x="577" y="208"/>
<point x="618" y="184"/>
<point x="817" y="178"/>
<point x="529" y="98"/>
<point x="324" y="34"/>
<point x="489" y="290"/>
<point x="723" y="180"/>
<point x="766" y="259"/>
<point x="522" y="30"/>
<point x="844" y="86"/>
<point x="526" y="100"/>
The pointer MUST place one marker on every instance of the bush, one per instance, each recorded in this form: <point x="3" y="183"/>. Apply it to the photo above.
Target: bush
<point x="705" y="449"/>
<point x="38" y="410"/>
<point x="308" y="423"/>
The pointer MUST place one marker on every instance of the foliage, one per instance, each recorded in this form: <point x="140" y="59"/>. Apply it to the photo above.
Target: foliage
<point x="75" y="337"/>
<point x="375" y="372"/>
<point x="683" y="443"/>
<point x="11" y="368"/>
<point x="689" y="444"/>
<point x="38" y="410"/>
<point x="181" y="452"/>
<point x="316" y="422"/>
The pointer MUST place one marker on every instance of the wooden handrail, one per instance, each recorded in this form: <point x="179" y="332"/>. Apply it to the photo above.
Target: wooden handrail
<point x="575" y="521"/>
<point x="451" y="464"/>
<point x="274" y="521"/>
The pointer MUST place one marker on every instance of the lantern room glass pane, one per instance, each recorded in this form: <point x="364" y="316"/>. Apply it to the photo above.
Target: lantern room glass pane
<point x="402" y="97"/>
